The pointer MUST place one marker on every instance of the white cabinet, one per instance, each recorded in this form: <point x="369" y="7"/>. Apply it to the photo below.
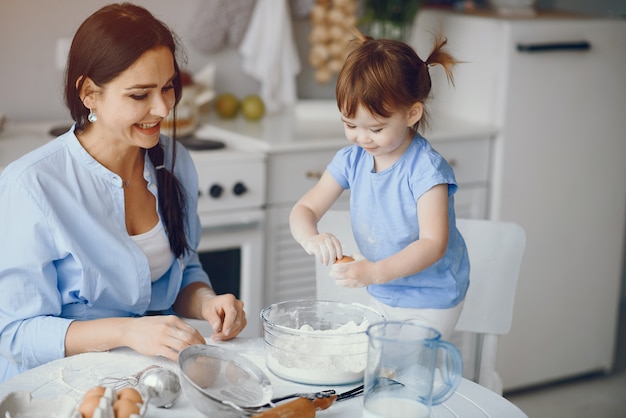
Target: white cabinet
<point x="558" y="170"/>
<point x="469" y="159"/>
<point x="290" y="271"/>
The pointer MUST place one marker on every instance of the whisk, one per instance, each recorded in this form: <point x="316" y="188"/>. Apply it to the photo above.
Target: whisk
<point x="118" y="383"/>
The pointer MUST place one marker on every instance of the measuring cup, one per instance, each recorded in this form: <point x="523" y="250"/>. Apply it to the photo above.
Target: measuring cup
<point x="409" y="369"/>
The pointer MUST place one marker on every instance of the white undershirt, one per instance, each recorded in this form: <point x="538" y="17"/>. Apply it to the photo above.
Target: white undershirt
<point x="156" y="247"/>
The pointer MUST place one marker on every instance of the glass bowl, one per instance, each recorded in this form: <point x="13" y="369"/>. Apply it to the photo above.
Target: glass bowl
<point x="317" y="342"/>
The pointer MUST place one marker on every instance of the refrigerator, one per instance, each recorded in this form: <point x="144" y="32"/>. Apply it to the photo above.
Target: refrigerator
<point x="553" y="86"/>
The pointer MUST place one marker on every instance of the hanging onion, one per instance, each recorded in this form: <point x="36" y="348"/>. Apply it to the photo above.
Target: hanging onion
<point x="332" y="22"/>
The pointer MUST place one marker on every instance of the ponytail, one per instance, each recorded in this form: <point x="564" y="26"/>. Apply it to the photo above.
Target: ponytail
<point x="439" y="55"/>
<point x="171" y="201"/>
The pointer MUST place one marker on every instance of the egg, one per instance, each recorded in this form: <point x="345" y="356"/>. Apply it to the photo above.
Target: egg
<point x="124" y="408"/>
<point x="345" y="259"/>
<point x="98" y="390"/>
<point x="131" y="394"/>
<point x="89" y="405"/>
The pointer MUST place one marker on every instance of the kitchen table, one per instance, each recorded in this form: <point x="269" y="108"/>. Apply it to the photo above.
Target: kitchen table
<point x="68" y="378"/>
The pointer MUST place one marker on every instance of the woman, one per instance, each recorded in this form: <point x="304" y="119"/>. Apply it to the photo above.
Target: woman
<point x="99" y="227"/>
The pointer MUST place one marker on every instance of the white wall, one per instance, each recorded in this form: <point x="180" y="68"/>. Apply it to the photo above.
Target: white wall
<point x="31" y="85"/>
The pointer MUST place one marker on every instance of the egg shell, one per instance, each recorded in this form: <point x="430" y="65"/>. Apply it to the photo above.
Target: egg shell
<point x="124" y="408"/>
<point x="130" y="393"/>
<point x="104" y="410"/>
<point x="98" y="390"/>
<point x="88" y="406"/>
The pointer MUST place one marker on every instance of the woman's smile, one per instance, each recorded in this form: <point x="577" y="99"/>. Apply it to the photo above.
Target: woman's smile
<point x="149" y="128"/>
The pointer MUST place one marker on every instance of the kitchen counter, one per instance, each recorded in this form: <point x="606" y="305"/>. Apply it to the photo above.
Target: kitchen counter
<point x="316" y="125"/>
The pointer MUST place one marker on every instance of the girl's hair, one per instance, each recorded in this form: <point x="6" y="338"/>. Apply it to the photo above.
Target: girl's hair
<point x="105" y="45"/>
<point x="386" y="76"/>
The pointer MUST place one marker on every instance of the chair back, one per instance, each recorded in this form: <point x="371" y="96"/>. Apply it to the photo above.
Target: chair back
<point x="495" y="252"/>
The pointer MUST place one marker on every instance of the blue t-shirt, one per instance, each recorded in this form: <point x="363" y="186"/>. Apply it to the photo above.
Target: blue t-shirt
<point x="383" y="211"/>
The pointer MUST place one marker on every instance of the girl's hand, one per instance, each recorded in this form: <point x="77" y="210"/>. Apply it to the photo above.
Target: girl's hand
<point x="160" y="335"/>
<point x="357" y="273"/>
<point x="326" y="248"/>
<point x="226" y="315"/>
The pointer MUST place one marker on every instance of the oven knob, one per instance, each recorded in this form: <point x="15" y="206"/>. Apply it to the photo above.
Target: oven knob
<point x="216" y="190"/>
<point x="239" y="188"/>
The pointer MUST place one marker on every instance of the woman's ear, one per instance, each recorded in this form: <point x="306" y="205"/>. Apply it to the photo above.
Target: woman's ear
<point x="415" y="114"/>
<point x="87" y="91"/>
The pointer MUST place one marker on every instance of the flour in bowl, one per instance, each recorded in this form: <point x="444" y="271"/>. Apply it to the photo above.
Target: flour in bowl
<point x="335" y="356"/>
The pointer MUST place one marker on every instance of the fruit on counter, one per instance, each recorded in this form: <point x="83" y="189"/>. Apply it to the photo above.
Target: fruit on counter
<point x="252" y="107"/>
<point x="345" y="259"/>
<point x="227" y="105"/>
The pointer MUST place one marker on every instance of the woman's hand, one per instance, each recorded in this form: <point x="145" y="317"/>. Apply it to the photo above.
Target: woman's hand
<point x="161" y="335"/>
<point x="226" y="315"/>
<point x="326" y="248"/>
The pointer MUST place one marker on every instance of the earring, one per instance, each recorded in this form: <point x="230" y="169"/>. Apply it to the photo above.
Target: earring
<point x="92" y="116"/>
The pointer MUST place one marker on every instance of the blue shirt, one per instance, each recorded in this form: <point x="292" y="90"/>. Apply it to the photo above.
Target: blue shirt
<point x="65" y="252"/>
<point x="383" y="211"/>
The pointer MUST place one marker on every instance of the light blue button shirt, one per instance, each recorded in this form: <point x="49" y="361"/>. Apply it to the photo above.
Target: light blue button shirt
<point x="383" y="211"/>
<point x="65" y="253"/>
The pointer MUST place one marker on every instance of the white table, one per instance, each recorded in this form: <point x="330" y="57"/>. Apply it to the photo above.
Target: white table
<point x="71" y="376"/>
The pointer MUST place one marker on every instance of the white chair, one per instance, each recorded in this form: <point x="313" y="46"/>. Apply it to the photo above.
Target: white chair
<point x="495" y="250"/>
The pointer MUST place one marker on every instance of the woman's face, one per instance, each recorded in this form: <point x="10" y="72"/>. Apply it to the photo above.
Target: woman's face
<point x="130" y="108"/>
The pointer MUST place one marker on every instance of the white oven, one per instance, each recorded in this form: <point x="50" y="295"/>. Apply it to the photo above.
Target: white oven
<point x="231" y="199"/>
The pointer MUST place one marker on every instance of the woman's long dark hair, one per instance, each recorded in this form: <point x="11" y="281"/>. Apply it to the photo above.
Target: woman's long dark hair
<point x="106" y="44"/>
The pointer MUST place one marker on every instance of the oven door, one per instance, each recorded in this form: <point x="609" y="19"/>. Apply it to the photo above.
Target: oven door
<point x="231" y="252"/>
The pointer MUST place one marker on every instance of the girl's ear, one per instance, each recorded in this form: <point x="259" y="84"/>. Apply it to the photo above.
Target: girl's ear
<point x="415" y="114"/>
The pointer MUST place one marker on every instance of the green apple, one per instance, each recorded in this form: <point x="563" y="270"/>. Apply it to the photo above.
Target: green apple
<point x="227" y="105"/>
<point x="252" y="107"/>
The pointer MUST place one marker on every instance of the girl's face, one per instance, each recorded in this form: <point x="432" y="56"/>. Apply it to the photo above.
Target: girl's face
<point x="131" y="107"/>
<point x="381" y="136"/>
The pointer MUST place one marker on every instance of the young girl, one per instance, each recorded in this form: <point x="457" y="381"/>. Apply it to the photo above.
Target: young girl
<point x="414" y="261"/>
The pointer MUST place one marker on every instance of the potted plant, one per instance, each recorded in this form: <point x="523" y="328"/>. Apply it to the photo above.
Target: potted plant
<point x="391" y="19"/>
